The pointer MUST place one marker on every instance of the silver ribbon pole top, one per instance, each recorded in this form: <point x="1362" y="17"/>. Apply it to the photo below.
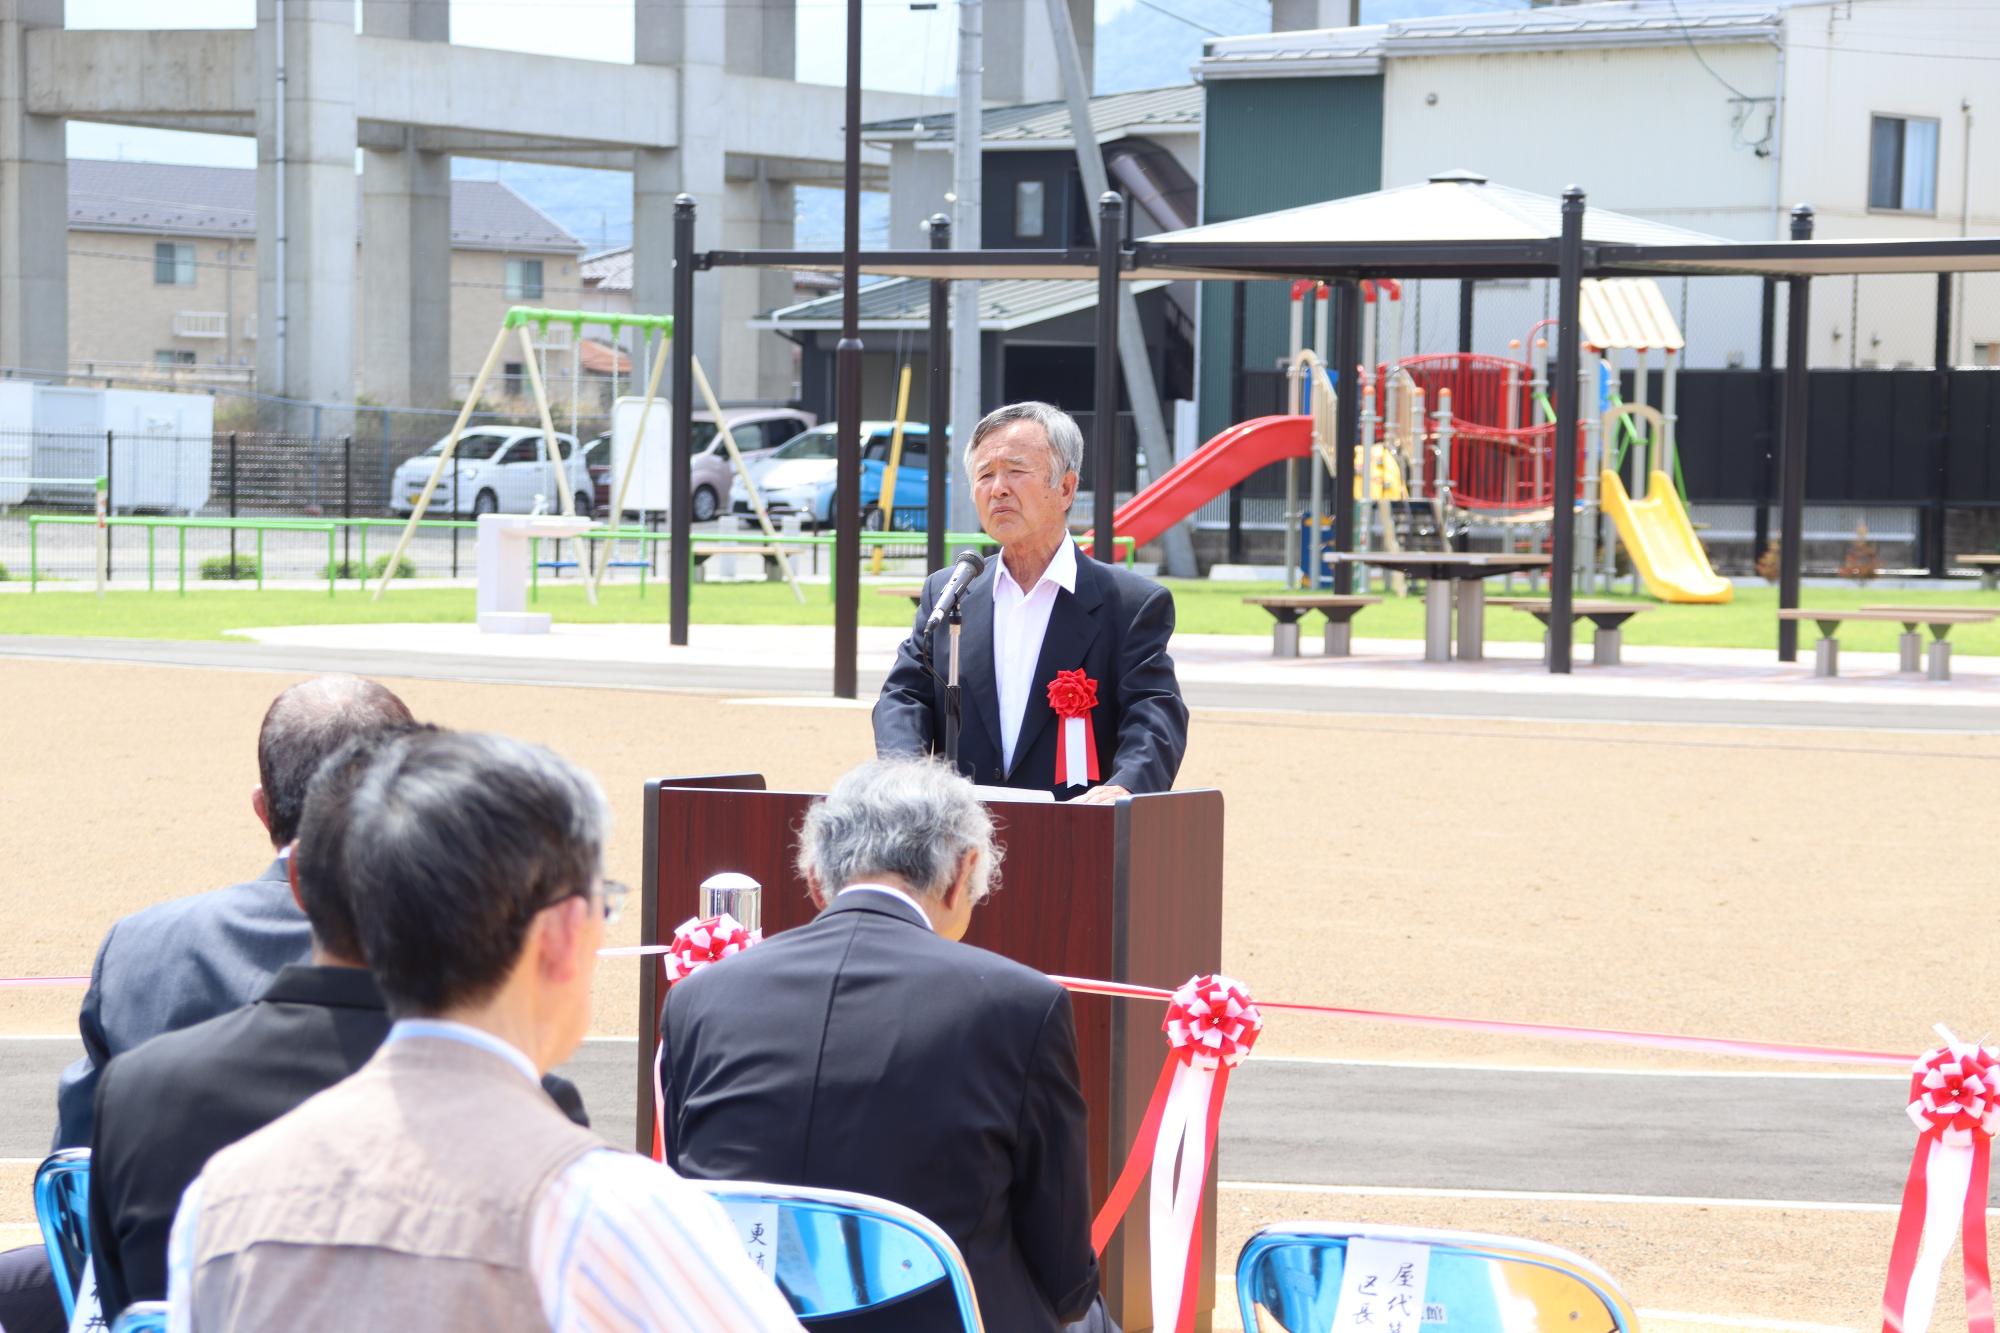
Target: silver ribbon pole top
<point x="735" y="893"/>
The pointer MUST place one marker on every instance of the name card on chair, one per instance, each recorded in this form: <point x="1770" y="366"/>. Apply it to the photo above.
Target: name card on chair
<point x="757" y="1228"/>
<point x="1382" y="1287"/>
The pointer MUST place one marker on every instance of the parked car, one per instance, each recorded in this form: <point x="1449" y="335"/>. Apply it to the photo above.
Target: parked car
<point x="758" y="432"/>
<point x="791" y="485"/>
<point x="813" y="445"/>
<point x="913" y="484"/>
<point x="500" y="469"/>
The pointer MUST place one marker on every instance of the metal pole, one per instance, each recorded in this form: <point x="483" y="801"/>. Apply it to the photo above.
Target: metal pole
<point x="110" y="498"/>
<point x="1465" y="286"/>
<point x="1792" y="499"/>
<point x="966" y="361"/>
<point x="680" y="503"/>
<point x="232" y="501"/>
<point x="847" y="466"/>
<point x="1346" y="423"/>
<point x="1110" y="229"/>
<point x="1767" y="360"/>
<point x="1238" y="336"/>
<point x="939" y="448"/>
<point x="347" y="496"/>
<point x="1562" y="521"/>
<point x="1934" y="552"/>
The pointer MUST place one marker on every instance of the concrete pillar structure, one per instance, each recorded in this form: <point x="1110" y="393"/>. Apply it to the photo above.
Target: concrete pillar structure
<point x="34" y="205"/>
<point x="306" y="207"/>
<point x="1016" y="53"/>
<point x="694" y="36"/>
<point x="756" y="363"/>
<point x="762" y="38"/>
<point x="1311" y="15"/>
<point x="406" y="242"/>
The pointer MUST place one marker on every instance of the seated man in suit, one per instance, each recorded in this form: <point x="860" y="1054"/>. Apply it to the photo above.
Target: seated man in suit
<point x="164" y="1109"/>
<point x="871" y="1051"/>
<point x="1037" y="610"/>
<point x="183" y="962"/>
<point x="437" y="1186"/>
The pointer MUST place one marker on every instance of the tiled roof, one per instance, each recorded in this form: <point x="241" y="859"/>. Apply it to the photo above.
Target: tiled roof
<point x="222" y="201"/>
<point x="1046" y="124"/>
<point x="897" y="302"/>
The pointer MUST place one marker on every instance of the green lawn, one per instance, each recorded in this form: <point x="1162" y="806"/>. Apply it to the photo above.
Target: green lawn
<point x="1204" y="608"/>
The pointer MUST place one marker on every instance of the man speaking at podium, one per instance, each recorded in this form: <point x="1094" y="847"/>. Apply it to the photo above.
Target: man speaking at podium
<point x="1065" y="681"/>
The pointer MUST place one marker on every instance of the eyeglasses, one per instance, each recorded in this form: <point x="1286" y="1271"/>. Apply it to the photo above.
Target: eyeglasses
<point x="610" y="896"/>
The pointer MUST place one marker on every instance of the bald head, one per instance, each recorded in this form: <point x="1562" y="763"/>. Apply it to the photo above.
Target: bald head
<point x="304" y="726"/>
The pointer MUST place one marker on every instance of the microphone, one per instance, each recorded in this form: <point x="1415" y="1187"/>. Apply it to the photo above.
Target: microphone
<point x="963" y="571"/>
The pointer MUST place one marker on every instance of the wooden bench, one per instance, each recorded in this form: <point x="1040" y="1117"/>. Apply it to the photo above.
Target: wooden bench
<point x="1608" y="642"/>
<point x="1826" y="653"/>
<point x="1287" y="609"/>
<point x="1989" y="569"/>
<point x="1910" y="644"/>
<point x="915" y="592"/>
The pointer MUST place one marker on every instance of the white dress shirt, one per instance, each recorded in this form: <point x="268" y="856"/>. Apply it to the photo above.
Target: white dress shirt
<point x="894" y="892"/>
<point x="618" y="1241"/>
<point x="1020" y="623"/>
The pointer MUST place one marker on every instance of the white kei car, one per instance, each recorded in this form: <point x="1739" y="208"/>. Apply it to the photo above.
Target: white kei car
<point x="500" y="470"/>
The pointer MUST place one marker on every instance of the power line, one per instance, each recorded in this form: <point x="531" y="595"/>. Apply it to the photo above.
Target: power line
<point x="1182" y="18"/>
<point x="1688" y="37"/>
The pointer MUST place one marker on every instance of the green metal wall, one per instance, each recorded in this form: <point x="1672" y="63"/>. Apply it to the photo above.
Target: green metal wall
<point x="1271" y="144"/>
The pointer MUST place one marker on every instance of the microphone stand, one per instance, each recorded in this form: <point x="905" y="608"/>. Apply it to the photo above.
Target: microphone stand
<point x="954" y="622"/>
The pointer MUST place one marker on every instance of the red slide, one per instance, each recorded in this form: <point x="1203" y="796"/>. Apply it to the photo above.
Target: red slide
<point x="1211" y="470"/>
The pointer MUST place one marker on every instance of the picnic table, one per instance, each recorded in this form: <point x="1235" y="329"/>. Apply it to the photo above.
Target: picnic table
<point x="1826" y="653"/>
<point x="1449" y="576"/>
<point x="914" y="591"/>
<point x="1608" y="642"/>
<point x="1287" y="609"/>
<point x="1988" y="566"/>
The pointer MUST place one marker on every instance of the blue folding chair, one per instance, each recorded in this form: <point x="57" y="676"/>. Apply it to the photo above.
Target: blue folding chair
<point x="142" y="1317"/>
<point x="62" y="1199"/>
<point x="1288" y="1277"/>
<point x="834" y="1253"/>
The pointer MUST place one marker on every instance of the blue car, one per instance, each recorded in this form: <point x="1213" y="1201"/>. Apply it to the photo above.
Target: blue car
<point x="913" y="481"/>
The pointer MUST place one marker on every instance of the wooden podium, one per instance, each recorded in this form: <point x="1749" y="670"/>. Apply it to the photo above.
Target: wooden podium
<point x="1126" y="892"/>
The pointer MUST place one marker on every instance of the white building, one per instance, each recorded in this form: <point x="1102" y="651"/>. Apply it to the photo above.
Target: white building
<point x="1716" y="115"/>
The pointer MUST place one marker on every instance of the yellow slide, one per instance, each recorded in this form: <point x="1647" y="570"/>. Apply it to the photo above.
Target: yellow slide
<point x="1662" y="542"/>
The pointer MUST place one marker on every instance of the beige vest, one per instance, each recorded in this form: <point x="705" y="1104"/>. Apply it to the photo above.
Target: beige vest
<point x="401" y="1198"/>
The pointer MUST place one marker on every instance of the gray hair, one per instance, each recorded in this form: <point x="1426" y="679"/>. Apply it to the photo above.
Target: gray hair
<point x="1058" y="427"/>
<point x="455" y="841"/>
<point x="302" y="729"/>
<point x="908" y="817"/>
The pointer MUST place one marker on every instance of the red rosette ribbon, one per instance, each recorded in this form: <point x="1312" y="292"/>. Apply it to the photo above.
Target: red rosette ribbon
<point x="1211" y="1025"/>
<point x="701" y="941"/>
<point x="1073" y="696"/>
<point x="1955" y="1105"/>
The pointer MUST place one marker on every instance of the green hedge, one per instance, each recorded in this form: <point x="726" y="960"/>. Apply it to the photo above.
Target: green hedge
<point x="223" y="568"/>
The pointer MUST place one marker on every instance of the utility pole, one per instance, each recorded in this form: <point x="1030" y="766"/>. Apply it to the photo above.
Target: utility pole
<point x="1151" y="425"/>
<point x="966" y="129"/>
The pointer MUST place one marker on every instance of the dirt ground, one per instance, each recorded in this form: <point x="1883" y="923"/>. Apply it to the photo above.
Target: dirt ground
<point x="1787" y="885"/>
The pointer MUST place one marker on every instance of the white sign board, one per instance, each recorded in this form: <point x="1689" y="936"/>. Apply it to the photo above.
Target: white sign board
<point x="652" y="476"/>
<point x="1382" y="1287"/>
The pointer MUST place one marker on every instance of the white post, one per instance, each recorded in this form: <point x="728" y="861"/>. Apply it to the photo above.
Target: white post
<point x="965" y="168"/>
<point x="1671" y="463"/>
<point x="1591" y="549"/>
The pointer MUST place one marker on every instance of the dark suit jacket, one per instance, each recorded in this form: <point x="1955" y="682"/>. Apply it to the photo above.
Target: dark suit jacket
<point x="862" y="1052"/>
<point x="173" y="965"/>
<point x="1115" y="626"/>
<point x="166" y="1107"/>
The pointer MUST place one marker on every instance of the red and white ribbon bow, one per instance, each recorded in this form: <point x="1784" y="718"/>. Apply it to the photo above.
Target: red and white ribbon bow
<point x="1211" y="1025"/>
<point x="1073" y="695"/>
<point x="1955" y="1103"/>
<point x="699" y="941"/>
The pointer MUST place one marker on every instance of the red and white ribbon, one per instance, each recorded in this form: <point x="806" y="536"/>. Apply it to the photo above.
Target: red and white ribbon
<point x="701" y="941"/>
<point x="1955" y="1103"/>
<point x="1073" y="696"/>
<point x="1211" y="1025"/>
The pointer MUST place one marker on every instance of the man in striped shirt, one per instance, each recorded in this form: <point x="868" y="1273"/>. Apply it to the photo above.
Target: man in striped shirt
<point x="438" y="1186"/>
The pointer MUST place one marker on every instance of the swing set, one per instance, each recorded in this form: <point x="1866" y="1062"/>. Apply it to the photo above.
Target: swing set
<point x="656" y="333"/>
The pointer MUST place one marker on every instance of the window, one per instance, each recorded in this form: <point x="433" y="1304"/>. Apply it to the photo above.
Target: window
<point x="173" y="356"/>
<point x="524" y="279"/>
<point x="1986" y="354"/>
<point x="780" y="429"/>
<point x="1902" y="164"/>
<point x="1031" y="213"/>
<point x="815" y="443"/>
<point x="514" y="373"/>
<point x="748" y="436"/>
<point x="173" y="264"/>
